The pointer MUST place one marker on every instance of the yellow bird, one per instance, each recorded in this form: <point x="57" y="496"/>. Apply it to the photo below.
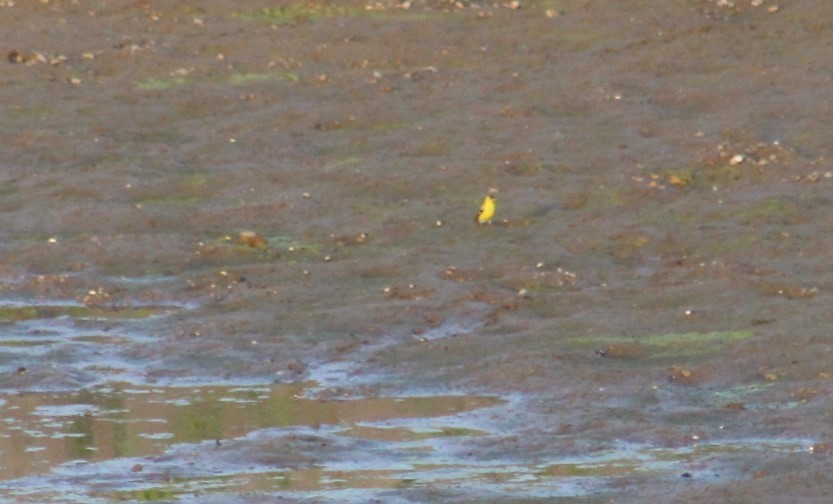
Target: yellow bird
<point x="487" y="210"/>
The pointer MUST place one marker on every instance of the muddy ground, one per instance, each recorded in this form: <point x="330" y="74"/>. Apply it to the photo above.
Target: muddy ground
<point x="655" y="287"/>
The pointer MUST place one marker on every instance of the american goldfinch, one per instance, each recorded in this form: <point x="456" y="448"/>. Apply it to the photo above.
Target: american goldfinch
<point x="487" y="210"/>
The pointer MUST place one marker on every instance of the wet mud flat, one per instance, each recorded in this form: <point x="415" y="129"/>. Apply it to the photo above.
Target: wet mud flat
<point x="239" y="258"/>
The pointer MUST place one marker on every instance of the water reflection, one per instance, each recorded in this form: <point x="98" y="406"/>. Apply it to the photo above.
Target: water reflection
<point x="39" y="431"/>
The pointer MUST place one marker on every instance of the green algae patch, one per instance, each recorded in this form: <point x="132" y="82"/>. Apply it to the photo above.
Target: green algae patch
<point x="149" y="495"/>
<point x="782" y="210"/>
<point x="676" y="346"/>
<point x="341" y="163"/>
<point x="585" y="470"/>
<point x="187" y="190"/>
<point x="290" y="244"/>
<point x="298" y="13"/>
<point x="13" y="313"/>
<point x="161" y="84"/>
<point x="238" y="79"/>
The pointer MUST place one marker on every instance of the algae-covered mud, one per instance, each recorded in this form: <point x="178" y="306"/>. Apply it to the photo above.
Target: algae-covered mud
<point x="240" y="258"/>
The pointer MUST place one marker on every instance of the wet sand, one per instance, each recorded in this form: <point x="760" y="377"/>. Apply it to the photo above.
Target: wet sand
<point x="645" y="319"/>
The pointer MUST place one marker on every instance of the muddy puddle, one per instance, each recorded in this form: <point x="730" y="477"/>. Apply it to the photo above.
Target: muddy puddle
<point x="99" y="413"/>
<point x="53" y="344"/>
<point x="127" y="442"/>
<point x="130" y="443"/>
<point x="111" y="434"/>
<point x="44" y="430"/>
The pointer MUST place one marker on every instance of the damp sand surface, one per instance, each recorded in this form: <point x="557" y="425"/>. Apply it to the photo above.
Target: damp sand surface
<point x="240" y="260"/>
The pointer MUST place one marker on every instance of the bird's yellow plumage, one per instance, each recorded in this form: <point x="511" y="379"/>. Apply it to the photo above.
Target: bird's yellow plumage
<point x="487" y="210"/>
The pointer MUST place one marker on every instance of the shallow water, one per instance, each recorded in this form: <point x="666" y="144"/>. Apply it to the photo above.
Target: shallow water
<point x="120" y="420"/>
<point x="321" y="438"/>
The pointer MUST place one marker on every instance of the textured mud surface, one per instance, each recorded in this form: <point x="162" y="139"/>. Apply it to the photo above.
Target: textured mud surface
<point x="239" y="258"/>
